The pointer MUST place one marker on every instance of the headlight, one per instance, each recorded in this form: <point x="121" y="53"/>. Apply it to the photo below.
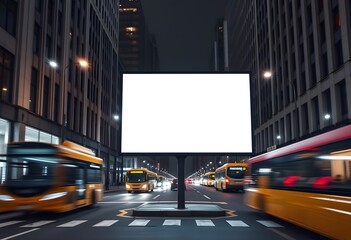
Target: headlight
<point x="6" y="198"/>
<point x="53" y="196"/>
<point x="144" y="186"/>
<point x="127" y="186"/>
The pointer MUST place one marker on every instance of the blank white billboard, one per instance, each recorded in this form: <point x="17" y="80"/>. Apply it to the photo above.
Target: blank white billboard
<point x="186" y="113"/>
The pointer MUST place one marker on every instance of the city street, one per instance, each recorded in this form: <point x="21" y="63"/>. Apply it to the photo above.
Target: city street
<point x="112" y="219"/>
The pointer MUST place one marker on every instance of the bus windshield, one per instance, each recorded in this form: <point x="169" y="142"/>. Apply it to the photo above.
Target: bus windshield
<point x="34" y="171"/>
<point x="236" y="172"/>
<point x="136" y="177"/>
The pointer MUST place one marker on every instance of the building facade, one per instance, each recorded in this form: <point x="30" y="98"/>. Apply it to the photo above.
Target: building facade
<point x="137" y="47"/>
<point x="305" y="46"/>
<point x="46" y="95"/>
<point x="219" y="55"/>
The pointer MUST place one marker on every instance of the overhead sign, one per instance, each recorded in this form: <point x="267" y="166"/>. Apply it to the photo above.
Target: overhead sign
<point x="186" y="113"/>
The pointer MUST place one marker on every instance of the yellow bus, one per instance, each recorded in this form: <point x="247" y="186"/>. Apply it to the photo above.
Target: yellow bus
<point x="208" y="179"/>
<point x="140" y="180"/>
<point x="230" y="176"/>
<point x="307" y="183"/>
<point x="50" y="177"/>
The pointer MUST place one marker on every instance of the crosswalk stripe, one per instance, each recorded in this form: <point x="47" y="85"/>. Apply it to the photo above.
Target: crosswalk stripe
<point x="9" y="223"/>
<point x="38" y="224"/>
<point x="171" y="223"/>
<point x="204" y="223"/>
<point x="139" y="223"/>
<point x="105" y="223"/>
<point x="72" y="223"/>
<point x="237" y="223"/>
<point x="269" y="223"/>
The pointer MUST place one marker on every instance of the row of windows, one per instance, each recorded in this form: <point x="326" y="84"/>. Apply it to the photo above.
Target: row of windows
<point x="78" y="174"/>
<point x="76" y="76"/>
<point x="308" y="118"/>
<point x="8" y="16"/>
<point x="288" y="82"/>
<point x="6" y="75"/>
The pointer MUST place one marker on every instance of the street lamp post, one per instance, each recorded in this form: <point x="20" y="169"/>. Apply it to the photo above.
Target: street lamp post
<point x="83" y="64"/>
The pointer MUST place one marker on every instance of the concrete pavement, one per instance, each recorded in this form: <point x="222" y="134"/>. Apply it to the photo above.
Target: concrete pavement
<point x="171" y="210"/>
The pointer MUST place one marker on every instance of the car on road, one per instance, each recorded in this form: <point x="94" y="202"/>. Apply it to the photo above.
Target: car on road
<point x="174" y="185"/>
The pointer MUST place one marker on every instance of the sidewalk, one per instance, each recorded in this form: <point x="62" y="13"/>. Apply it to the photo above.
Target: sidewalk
<point x="115" y="189"/>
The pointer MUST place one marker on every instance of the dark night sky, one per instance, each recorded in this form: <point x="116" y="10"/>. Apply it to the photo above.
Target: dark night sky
<point x="184" y="31"/>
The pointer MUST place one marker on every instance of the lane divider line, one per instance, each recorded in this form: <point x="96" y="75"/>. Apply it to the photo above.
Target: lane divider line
<point x="157" y="196"/>
<point x="207" y="197"/>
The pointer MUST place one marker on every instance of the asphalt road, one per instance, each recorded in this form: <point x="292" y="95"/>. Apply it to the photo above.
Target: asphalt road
<point x="112" y="219"/>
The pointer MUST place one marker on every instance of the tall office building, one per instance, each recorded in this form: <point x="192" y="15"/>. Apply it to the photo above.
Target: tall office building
<point x="305" y="45"/>
<point x="137" y="47"/>
<point x="217" y="58"/>
<point x="41" y="102"/>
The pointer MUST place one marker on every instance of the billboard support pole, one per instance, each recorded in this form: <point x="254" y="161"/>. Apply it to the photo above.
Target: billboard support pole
<point x="181" y="182"/>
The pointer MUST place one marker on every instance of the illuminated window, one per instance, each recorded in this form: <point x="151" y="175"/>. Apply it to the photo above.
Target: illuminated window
<point x="128" y="9"/>
<point x="130" y="29"/>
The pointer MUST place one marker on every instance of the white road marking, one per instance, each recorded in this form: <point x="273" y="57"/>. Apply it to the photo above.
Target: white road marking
<point x="19" y="234"/>
<point x="105" y="223"/>
<point x="207" y="197"/>
<point x="237" y="223"/>
<point x="139" y="223"/>
<point x="285" y="236"/>
<point x="204" y="223"/>
<point x="157" y="196"/>
<point x="171" y="223"/>
<point x="9" y="223"/>
<point x="72" y="223"/>
<point x="38" y="224"/>
<point x="269" y="223"/>
<point x="135" y="202"/>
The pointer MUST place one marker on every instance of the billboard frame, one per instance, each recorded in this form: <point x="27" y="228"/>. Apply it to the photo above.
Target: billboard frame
<point x="184" y="154"/>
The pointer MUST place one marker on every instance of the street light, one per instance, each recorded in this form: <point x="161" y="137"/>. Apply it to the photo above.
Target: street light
<point x="83" y="64"/>
<point x="53" y="64"/>
<point x="267" y="74"/>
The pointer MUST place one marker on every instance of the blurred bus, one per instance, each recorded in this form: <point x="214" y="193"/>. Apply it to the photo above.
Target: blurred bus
<point x="50" y="177"/>
<point x="140" y="180"/>
<point x="230" y="176"/>
<point x="208" y="179"/>
<point x="307" y="183"/>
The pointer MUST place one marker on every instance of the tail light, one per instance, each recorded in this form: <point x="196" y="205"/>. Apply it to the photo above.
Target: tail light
<point x="226" y="180"/>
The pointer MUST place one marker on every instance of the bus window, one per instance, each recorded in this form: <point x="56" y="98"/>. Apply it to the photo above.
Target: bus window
<point x="31" y="171"/>
<point x="236" y="172"/>
<point x="80" y="183"/>
<point x="136" y="177"/>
